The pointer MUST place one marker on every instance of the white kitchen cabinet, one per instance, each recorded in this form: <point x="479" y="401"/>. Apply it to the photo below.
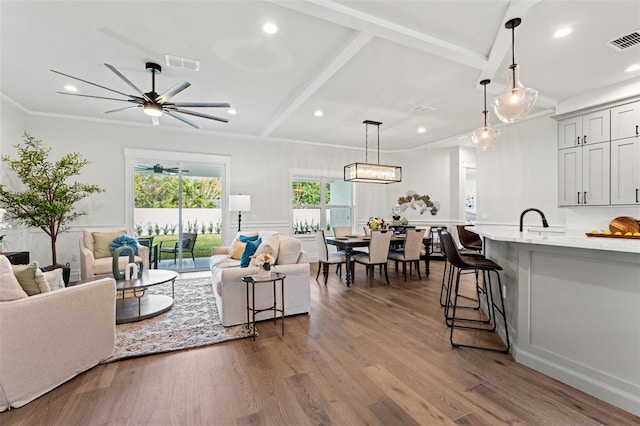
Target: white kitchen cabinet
<point x="584" y="175"/>
<point x="625" y="121"/>
<point x="625" y="171"/>
<point x="594" y="127"/>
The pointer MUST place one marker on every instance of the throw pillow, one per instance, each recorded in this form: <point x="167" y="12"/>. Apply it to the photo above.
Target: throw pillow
<point x="237" y="248"/>
<point x="31" y="278"/>
<point x="247" y="238"/>
<point x="289" y="250"/>
<point x="9" y="286"/>
<point x="54" y="278"/>
<point x="249" y="249"/>
<point x="102" y="241"/>
<point x="126" y="240"/>
<point x="270" y="245"/>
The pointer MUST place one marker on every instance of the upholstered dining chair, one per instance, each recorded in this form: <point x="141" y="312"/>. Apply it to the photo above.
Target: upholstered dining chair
<point x="410" y="252"/>
<point x="325" y="258"/>
<point x="378" y="251"/>
<point x="342" y="231"/>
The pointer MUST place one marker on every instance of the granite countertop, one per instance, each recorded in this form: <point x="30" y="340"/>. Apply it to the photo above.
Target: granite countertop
<point x="555" y="237"/>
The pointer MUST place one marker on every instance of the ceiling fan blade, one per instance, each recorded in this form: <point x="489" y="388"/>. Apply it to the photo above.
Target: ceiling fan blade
<point x="136" y="100"/>
<point x="173" y="91"/>
<point x="199" y="104"/>
<point x="199" y="114"/>
<point x="88" y="82"/>
<point x="126" y="80"/>
<point x="123" y="109"/>
<point x="155" y="121"/>
<point x="181" y="118"/>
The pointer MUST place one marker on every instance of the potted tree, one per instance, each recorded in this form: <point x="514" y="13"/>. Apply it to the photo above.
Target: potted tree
<point x="46" y="201"/>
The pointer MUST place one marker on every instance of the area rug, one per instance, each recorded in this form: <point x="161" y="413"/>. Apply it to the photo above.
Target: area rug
<point x="192" y="321"/>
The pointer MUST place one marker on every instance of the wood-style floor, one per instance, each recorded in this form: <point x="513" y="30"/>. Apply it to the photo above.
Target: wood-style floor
<point x="370" y="354"/>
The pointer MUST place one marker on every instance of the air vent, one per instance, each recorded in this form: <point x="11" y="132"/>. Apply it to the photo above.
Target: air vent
<point x="184" y="63"/>
<point x="626" y="41"/>
<point x="422" y="108"/>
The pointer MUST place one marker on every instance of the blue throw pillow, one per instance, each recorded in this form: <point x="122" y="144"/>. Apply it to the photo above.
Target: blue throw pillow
<point x="246" y="239"/>
<point x="127" y="240"/>
<point x="249" y="249"/>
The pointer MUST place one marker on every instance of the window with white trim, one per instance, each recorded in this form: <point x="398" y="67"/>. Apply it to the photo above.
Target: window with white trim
<point x="320" y="203"/>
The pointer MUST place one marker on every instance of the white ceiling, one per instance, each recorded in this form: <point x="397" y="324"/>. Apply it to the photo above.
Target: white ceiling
<point x="354" y="60"/>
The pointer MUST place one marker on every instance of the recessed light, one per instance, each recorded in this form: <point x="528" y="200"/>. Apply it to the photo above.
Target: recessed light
<point x="70" y="88"/>
<point x="422" y="130"/>
<point x="232" y="111"/>
<point x="562" y="32"/>
<point x="270" y="28"/>
<point x="318" y="113"/>
<point x="632" y="68"/>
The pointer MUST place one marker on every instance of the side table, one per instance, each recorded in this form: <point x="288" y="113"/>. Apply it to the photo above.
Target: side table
<point x="251" y="308"/>
<point x="17" y="257"/>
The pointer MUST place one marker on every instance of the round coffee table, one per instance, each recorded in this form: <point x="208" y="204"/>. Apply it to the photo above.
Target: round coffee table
<point x="139" y="305"/>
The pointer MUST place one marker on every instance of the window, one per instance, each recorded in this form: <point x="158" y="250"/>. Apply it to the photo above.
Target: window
<point x="320" y="203"/>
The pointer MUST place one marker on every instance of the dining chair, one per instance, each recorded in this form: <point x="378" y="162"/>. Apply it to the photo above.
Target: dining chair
<point x="367" y="231"/>
<point x="342" y="231"/>
<point x="410" y="252"/>
<point x="325" y="258"/>
<point x="378" y="251"/>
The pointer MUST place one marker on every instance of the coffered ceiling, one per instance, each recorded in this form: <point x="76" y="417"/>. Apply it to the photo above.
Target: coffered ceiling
<point x="408" y="64"/>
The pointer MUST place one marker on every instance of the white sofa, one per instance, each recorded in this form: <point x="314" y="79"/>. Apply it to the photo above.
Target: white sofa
<point x="49" y="338"/>
<point x="91" y="266"/>
<point x="230" y="291"/>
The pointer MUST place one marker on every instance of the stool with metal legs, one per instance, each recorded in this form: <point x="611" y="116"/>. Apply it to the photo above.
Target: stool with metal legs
<point x="494" y="309"/>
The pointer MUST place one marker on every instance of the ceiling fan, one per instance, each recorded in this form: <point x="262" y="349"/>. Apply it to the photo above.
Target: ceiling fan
<point x="152" y="103"/>
<point x="159" y="169"/>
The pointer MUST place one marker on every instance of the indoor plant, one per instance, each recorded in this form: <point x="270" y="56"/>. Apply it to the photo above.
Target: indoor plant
<point x="46" y="200"/>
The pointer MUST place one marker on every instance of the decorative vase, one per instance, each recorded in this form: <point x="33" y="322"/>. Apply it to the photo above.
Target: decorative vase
<point x="264" y="273"/>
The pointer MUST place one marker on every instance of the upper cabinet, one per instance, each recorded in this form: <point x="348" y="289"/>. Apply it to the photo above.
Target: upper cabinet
<point x="625" y="121"/>
<point x="584" y="129"/>
<point x="599" y="157"/>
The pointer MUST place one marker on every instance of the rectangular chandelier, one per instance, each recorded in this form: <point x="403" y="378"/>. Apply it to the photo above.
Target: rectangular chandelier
<point x="372" y="173"/>
<point x="368" y="172"/>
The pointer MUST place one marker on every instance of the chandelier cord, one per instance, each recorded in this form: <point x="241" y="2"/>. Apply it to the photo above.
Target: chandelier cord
<point x="366" y="142"/>
<point x="378" y="144"/>
<point x="513" y="54"/>
<point x="485" y="112"/>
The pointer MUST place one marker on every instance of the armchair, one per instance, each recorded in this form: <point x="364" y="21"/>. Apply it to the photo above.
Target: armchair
<point x="95" y="257"/>
<point x="188" y="243"/>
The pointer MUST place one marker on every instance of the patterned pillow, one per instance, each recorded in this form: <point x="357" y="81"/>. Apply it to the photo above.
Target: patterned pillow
<point x="123" y="240"/>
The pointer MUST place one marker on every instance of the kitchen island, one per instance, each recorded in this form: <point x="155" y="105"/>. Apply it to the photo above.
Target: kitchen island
<point x="573" y="307"/>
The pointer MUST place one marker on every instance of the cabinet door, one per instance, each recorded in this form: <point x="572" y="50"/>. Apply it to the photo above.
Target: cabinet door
<point x="596" y="174"/>
<point x="625" y="171"/>
<point x="625" y="121"/>
<point x="568" y="132"/>
<point x="570" y="176"/>
<point x="596" y="127"/>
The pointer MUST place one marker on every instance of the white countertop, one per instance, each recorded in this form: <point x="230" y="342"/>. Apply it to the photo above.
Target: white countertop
<point x="555" y="238"/>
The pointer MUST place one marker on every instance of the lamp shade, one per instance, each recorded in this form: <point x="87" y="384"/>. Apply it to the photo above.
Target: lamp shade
<point x="372" y="173"/>
<point x="239" y="203"/>
<point x="484" y="138"/>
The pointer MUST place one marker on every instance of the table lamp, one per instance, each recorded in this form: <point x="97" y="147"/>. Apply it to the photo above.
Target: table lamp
<point x="239" y="203"/>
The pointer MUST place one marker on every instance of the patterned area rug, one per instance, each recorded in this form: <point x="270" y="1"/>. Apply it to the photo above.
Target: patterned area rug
<point x="192" y="321"/>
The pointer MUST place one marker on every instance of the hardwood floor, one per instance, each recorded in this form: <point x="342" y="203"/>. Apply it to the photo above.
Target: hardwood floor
<point x="370" y="354"/>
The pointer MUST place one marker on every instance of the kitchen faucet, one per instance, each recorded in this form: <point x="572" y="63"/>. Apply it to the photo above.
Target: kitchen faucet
<point x="544" y="219"/>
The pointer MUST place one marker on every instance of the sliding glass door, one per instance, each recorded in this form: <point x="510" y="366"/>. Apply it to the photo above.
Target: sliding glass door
<point x="177" y="211"/>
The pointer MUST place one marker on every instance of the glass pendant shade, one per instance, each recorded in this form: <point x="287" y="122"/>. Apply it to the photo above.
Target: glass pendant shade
<point x="484" y="138"/>
<point x="516" y="101"/>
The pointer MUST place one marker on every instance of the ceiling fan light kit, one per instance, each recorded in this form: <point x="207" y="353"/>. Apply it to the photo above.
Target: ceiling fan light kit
<point x="368" y="172"/>
<point x="517" y="100"/>
<point x="152" y="104"/>
<point x="484" y="138"/>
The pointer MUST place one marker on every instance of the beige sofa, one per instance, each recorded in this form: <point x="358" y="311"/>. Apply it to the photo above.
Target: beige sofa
<point x="49" y="338"/>
<point x="230" y="291"/>
<point x="92" y="265"/>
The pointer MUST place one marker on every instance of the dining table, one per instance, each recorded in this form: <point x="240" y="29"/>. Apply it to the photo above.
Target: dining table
<point x="351" y="242"/>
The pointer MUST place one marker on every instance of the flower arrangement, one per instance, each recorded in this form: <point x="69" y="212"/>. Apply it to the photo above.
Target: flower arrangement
<point x="416" y="201"/>
<point x="263" y="260"/>
<point x="376" y="223"/>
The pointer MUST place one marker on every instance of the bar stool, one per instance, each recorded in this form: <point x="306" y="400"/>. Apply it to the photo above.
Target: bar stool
<point x="486" y="267"/>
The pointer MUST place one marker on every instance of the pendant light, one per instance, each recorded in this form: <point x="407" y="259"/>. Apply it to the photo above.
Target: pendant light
<point x="516" y="101"/>
<point x="369" y="172"/>
<point x="484" y="138"/>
